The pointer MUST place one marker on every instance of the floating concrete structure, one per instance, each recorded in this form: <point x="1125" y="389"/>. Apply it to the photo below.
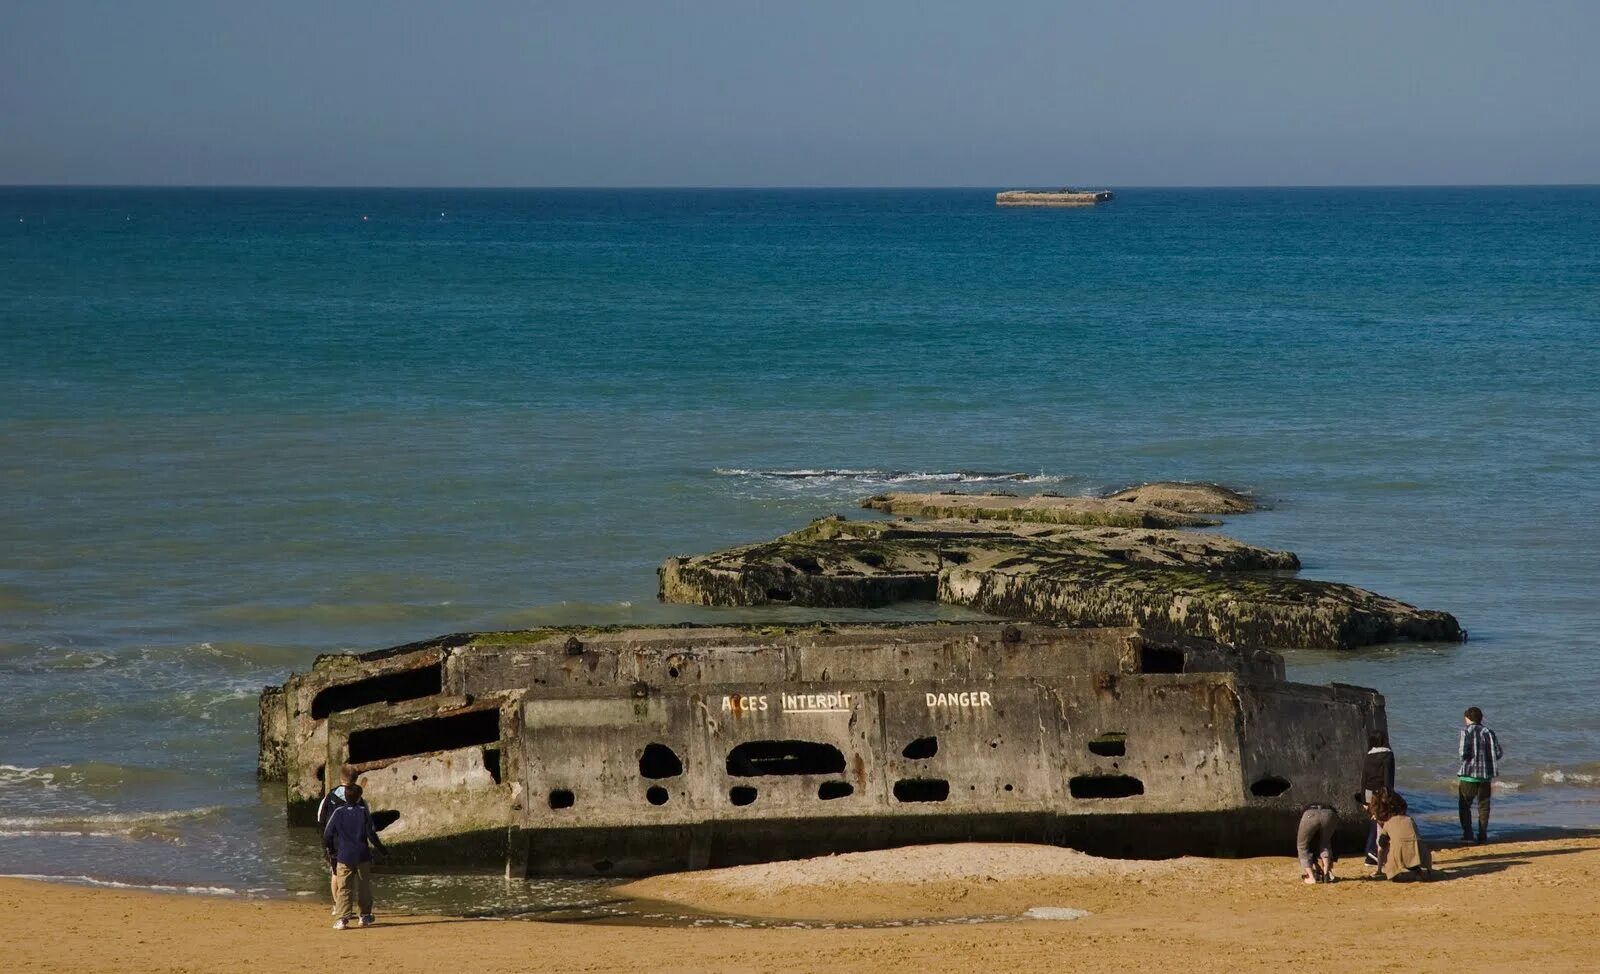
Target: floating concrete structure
<point x="1060" y="197"/>
<point x="617" y="751"/>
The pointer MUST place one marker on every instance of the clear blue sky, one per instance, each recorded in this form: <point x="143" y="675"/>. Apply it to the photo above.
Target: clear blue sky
<point x="798" y="93"/>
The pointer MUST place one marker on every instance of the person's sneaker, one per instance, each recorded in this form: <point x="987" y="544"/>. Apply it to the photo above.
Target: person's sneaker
<point x="366" y="920"/>
<point x="1371" y="859"/>
<point x="341" y="924"/>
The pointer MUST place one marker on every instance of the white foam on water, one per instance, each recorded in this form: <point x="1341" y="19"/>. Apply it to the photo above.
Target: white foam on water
<point x="114" y="884"/>
<point x="11" y="774"/>
<point x="156" y="825"/>
<point x="1054" y="913"/>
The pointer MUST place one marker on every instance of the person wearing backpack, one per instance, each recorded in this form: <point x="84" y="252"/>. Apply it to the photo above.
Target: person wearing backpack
<point x="325" y="809"/>
<point x="349" y="839"/>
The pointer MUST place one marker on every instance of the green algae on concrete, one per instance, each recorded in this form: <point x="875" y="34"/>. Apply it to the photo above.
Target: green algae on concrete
<point x="1245" y="610"/>
<point x="1044" y="508"/>
<point x="1191" y="498"/>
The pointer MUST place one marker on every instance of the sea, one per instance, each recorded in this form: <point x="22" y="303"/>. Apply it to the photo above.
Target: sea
<point x="242" y="427"/>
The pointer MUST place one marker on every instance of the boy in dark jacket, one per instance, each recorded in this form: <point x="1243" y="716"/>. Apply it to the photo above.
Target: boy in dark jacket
<point x="1377" y="776"/>
<point x="345" y="839"/>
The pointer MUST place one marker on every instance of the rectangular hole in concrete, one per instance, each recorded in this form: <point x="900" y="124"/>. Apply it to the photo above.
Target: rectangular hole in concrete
<point x="389" y="688"/>
<point x="491" y="762"/>
<point x="829" y="790"/>
<point x="1105" y="786"/>
<point x="1156" y="659"/>
<point x="1109" y="745"/>
<point x="754" y="758"/>
<point x="422" y="736"/>
<point x="921" y="790"/>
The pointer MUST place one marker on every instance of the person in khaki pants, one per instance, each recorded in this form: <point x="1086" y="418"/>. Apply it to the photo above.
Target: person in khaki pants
<point x="346" y="840"/>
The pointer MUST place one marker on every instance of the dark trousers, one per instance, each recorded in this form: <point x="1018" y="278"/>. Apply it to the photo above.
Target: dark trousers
<point x="1474" y="791"/>
<point x="1372" y="825"/>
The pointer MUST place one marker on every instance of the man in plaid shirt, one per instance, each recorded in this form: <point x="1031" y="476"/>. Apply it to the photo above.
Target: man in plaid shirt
<point x="1479" y="752"/>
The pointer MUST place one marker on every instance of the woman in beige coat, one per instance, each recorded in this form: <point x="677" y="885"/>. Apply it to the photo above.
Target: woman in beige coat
<point x="1401" y="852"/>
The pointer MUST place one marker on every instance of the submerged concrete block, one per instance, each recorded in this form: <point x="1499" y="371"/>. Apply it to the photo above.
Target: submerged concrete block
<point x="1191" y="498"/>
<point x="1188" y="582"/>
<point x="596" y="750"/>
<point x="1043" y="508"/>
<point x="1248" y="611"/>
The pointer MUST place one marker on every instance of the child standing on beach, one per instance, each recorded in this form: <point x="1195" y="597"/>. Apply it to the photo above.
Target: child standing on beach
<point x="345" y="839"/>
<point x="1480" y="754"/>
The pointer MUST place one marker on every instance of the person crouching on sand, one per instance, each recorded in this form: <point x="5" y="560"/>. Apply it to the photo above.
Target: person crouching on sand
<point x="1314" y="842"/>
<point x="345" y="839"/>
<point x="1401" y="852"/>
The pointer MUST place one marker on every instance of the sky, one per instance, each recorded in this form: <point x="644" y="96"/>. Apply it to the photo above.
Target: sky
<point x="799" y="93"/>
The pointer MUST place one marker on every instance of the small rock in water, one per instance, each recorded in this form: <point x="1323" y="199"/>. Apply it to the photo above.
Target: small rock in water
<point x="1054" y="913"/>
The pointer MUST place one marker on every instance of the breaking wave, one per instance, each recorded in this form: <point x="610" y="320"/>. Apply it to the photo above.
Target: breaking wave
<point x="844" y="475"/>
<point x="113" y="884"/>
<point x="122" y="825"/>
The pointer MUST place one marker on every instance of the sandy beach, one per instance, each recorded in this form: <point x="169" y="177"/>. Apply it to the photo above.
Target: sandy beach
<point x="1502" y="907"/>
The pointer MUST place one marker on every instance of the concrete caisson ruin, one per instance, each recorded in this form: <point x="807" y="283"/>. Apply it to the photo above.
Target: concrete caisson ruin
<point x="630" y="751"/>
<point x="1074" y="561"/>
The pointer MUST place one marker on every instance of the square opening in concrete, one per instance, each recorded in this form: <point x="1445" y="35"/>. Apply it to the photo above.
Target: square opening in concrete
<point x="1109" y="745"/>
<point x="754" y="758"/>
<point x="389" y="688"/>
<point x="423" y="736"/>
<point x="1157" y="659"/>
<point x="829" y="790"/>
<point x="659" y="761"/>
<point x="1105" y="786"/>
<point x="921" y="790"/>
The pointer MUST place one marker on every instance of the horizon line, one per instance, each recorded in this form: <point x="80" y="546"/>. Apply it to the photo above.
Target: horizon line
<point x="779" y="187"/>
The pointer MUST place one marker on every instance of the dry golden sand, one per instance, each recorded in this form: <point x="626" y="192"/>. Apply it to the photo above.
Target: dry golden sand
<point x="1506" y="907"/>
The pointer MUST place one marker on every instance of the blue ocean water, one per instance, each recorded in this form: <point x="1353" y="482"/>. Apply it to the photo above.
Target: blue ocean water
<point x="242" y="427"/>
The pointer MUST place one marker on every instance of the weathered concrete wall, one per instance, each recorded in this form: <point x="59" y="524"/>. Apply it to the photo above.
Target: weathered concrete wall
<point x="630" y="751"/>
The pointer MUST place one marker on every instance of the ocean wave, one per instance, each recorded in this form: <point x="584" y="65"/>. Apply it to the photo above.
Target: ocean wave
<point x="122" y="825"/>
<point x="88" y="776"/>
<point x="1561" y="776"/>
<point x="115" y="884"/>
<point x="12" y="775"/>
<point x="885" y="477"/>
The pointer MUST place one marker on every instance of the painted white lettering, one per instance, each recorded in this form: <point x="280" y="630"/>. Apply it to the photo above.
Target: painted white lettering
<point x="962" y="698"/>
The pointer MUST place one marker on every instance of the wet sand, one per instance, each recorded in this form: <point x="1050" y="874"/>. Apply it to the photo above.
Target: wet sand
<point x="1500" y="907"/>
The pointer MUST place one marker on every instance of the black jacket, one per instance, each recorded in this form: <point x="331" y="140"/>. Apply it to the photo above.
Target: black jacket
<point x="1377" y="770"/>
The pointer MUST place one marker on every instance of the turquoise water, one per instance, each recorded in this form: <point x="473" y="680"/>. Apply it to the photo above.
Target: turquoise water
<point x="240" y="428"/>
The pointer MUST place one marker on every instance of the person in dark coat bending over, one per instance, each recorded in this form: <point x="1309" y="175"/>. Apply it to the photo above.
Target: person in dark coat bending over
<point x="345" y="839"/>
